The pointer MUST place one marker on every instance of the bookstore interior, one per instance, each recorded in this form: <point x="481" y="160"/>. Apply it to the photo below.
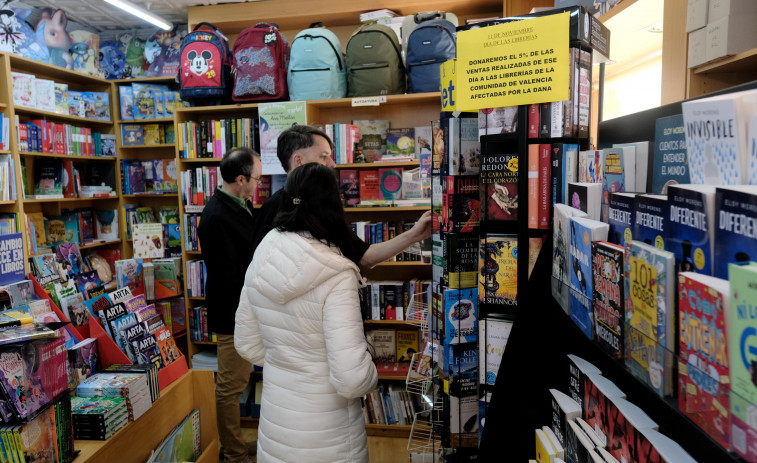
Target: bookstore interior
<point x="608" y="139"/>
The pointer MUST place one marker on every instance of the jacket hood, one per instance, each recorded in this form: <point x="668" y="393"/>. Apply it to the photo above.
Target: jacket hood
<point x="287" y="265"/>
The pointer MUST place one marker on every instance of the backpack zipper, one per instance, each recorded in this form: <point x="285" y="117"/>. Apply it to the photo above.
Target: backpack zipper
<point x="307" y="70"/>
<point x="362" y="68"/>
<point x="338" y="58"/>
<point x="436" y="26"/>
<point x="425" y="63"/>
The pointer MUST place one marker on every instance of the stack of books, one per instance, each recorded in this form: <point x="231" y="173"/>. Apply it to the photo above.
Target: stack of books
<point x="98" y="418"/>
<point x="133" y="387"/>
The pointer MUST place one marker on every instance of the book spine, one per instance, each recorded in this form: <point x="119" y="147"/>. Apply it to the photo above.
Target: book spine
<point x="544" y="185"/>
<point x="533" y="186"/>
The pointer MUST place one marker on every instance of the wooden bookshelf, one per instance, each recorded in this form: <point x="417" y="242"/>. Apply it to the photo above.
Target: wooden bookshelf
<point x="193" y="390"/>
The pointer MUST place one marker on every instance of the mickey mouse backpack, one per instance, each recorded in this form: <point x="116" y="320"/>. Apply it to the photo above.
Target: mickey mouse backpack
<point x="261" y="60"/>
<point x="205" y="65"/>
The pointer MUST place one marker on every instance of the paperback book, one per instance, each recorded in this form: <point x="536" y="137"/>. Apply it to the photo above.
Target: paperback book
<point x="650" y="309"/>
<point x="609" y="296"/>
<point x="499" y="185"/>
<point x="735" y="237"/>
<point x="498" y="270"/>
<point x="582" y="232"/>
<point x="671" y="165"/>
<point x="691" y="228"/>
<point x="561" y="253"/>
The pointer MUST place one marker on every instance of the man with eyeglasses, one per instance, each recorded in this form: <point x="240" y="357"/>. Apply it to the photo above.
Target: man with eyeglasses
<point x="227" y="247"/>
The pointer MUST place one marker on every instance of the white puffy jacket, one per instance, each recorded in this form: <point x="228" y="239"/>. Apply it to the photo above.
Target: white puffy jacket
<point x="299" y="313"/>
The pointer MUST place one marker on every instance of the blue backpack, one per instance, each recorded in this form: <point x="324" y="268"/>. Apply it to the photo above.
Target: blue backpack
<point x="316" y="66"/>
<point x="429" y="45"/>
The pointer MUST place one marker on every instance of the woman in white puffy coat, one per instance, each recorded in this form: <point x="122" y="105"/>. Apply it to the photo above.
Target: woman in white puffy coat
<point x="299" y="316"/>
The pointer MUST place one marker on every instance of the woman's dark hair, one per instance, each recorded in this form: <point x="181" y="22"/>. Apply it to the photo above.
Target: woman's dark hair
<point x="311" y="203"/>
<point x="238" y="161"/>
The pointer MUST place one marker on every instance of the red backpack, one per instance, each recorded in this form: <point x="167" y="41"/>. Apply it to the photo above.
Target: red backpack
<point x="260" y="62"/>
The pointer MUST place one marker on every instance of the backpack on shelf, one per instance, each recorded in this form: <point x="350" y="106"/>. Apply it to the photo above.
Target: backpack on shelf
<point x="261" y="59"/>
<point x="316" y="66"/>
<point x="430" y="44"/>
<point x="410" y="22"/>
<point x="374" y="62"/>
<point x="205" y="65"/>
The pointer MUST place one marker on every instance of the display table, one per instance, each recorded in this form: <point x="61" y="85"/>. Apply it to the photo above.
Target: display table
<point x="135" y="441"/>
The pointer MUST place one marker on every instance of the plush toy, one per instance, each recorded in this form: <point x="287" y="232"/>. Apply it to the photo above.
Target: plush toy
<point x="52" y="26"/>
<point x="112" y="60"/>
<point x="14" y="30"/>
<point x="163" y="53"/>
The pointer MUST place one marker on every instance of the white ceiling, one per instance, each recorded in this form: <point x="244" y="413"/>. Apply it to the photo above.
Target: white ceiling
<point x="630" y="39"/>
<point x="102" y="16"/>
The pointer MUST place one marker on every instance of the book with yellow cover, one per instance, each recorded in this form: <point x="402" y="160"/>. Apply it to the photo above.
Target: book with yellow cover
<point x="407" y="345"/>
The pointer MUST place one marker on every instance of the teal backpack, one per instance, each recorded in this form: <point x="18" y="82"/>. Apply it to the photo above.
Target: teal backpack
<point x="374" y="62"/>
<point x="316" y="66"/>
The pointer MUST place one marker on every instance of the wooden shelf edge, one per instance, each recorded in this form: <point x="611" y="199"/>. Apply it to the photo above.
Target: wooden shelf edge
<point x="728" y="63"/>
<point x="168" y="79"/>
<point x="388" y="430"/>
<point x="68" y="200"/>
<point x="200" y="160"/>
<point x="147" y="121"/>
<point x="20" y="63"/>
<point x="157" y="145"/>
<point x="67" y="156"/>
<point x="67" y="117"/>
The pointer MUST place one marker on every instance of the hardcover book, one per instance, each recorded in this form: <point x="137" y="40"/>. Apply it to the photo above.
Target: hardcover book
<point x="735" y="237"/>
<point x="582" y="232"/>
<point x="651" y="219"/>
<point x="498" y="270"/>
<point x="126" y="97"/>
<point x="23" y="89"/>
<point x="499" y="185"/>
<point x="703" y="364"/>
<point x="691" y="229"/>
<point x="49" y="177"/>
<point x="61" y="98"/>
<point x="609" y="297"/>
<point x="671" y="165"/>
<point x="650" y="308"/>
<point x="144" y="101"/>
<point x="741" y="325"/>
<point x="44" y="92"/>
<point x="20" y="383"/>
<point x="132" y="135"/>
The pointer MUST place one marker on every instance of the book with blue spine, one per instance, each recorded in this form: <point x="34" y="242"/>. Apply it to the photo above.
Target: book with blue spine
<point x="651" y="219"/>
<point x="691" y="228"/>
<point x="582" y="232"/>
<point x="671" y="164"/>
<point x="650" y="309"/>
<point x="561" y="253"/>
<point x="735" y="227"/>
<point x="620" y="217"/>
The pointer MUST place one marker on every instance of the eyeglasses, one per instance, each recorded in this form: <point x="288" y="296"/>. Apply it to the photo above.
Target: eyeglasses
<point x="257" y="179"/>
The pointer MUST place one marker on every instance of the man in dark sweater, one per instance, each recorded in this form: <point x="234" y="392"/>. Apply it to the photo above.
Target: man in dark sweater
<point x="227" y="247"/>
<point x="303" y="144"/>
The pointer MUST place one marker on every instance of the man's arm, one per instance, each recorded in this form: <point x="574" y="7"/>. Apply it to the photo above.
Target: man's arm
<point x="380" y="252"/>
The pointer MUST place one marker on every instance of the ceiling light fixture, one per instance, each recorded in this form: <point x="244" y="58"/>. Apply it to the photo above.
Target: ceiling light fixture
<point x="141" y="14"/>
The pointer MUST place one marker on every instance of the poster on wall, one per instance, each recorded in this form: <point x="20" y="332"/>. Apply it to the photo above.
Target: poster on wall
<point x="274" y="119"/>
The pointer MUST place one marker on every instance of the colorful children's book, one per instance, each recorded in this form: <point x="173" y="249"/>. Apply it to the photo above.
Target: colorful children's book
<point x="650" y="310"/>
<point x="61" y="98"/>
<point x="703" y="363"/>
<point x="74" y="308"/>
<point x="144" y="101"/>
<point x="167" y="345"/>
<point x="83" y="361"/>
<point x="21" y="385"/>
<point x="741" y="326"/>
<point x="131" y="135"/>
<point x="126" y="97"/>
<point x="148" y="240"/>
<point x="23" y="89"/>
<point x="609" y="300"/>
<point x="400" y="143"/>
<point x="184" y="443"/>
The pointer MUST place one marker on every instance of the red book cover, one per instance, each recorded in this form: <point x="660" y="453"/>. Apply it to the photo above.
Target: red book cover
<point x="262" y="192"/>
<point x="704" y="359"/>
<point x="369" y="185"/>
<point x="68" y="180"/>
<point x="545" y="180"/>
<point x="533" y="186"/>
<point x="533" y="121"/>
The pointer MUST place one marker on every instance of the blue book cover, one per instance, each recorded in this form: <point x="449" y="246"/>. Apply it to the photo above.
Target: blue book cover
<point x="461" y="315"/>
<point x="460" y="363"/>
<point x="582" y="232"/>
<point x="735" y="227"/>
<point x="690" y="231"/>
<point x="651" y="217"/>
<point x="126" y="97"/>
<point x="620" y="217"/>
<point x="671" y="164"/>
<point x="12" y="264"/>
<point x="121" y="324"/>
<point x="619" y="174"/>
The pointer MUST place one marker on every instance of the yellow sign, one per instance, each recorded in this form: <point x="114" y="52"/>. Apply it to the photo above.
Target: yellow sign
<point x="448" y="81"/>
<point x="518" y="63"/>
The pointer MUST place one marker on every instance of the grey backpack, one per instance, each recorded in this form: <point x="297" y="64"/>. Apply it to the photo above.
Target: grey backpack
<point x="374" y="62"/>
